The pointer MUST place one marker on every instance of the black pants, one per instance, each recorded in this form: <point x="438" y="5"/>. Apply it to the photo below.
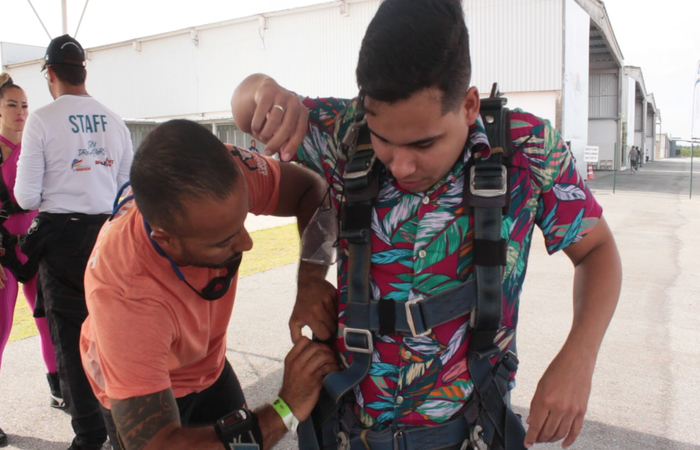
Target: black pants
<point x="198" y="408"/>
<point x="61" y="272"/>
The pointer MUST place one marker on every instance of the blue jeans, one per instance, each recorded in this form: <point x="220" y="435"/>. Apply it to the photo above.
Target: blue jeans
<point x="61" y="271"/>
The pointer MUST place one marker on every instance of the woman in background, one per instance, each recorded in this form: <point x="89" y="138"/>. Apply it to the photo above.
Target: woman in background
<point x="13" y="115"/>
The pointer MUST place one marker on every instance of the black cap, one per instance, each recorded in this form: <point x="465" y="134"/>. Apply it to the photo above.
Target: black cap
<point x="64" y="50"/>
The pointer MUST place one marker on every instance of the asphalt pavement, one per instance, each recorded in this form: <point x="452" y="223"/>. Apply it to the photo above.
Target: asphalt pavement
<point x="645" y="391"/>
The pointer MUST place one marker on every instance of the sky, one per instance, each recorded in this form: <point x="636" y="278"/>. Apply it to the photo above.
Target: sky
<point x="659" y="36"/>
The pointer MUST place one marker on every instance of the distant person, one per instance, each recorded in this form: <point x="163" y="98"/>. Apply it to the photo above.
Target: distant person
<point x="640" y="158"/>
<point x="76" y="153"/>
<point x="253" y="147"/>
<point x="633" y="159"/>
<point x="648" y="154"/>
<point x="161" y="288"/>
<point x="14" y="222"/>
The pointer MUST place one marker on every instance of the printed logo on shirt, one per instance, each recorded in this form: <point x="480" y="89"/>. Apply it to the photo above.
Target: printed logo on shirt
<point x="92" y="150"/>
<point x="106" y="162"/>
<point x="77" y="165"/>
<point x="252" y="161"/>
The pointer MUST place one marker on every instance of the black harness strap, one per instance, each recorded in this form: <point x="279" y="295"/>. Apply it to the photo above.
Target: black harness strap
<point x="487" y="194"/>
<point x="361" y="190"/>
<point x="8" y="241"/>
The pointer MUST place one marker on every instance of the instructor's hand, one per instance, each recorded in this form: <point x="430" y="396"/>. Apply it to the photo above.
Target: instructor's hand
<point x="304" y="368"/>
<point x="315" y="307"/>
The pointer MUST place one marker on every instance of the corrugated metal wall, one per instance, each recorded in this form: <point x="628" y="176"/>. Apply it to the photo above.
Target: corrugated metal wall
<point x="200" y="79"/>
<point x="311" y="50"/>
<point x="517" y="43"/>
<point x="603" y="95"/>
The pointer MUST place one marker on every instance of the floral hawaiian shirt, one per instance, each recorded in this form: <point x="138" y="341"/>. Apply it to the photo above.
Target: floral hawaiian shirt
<point x="422" y="245"/>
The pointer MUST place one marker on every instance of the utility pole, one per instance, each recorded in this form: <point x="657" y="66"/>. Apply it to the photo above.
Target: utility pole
<point x="64" y="17"/>
<point x="694" y="128"/>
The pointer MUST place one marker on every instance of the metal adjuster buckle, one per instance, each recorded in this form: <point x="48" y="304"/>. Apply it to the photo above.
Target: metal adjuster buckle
<point x="397" y="438"/>
<point x="409" y="318"/>
<point x="361" y="173"/>
<point x="367" y="333"/>
<point x="488" y="192"/>
<point x="476" y="440"/>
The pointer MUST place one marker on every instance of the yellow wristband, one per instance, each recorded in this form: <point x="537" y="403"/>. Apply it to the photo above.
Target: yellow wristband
<point x="285" y="412"/>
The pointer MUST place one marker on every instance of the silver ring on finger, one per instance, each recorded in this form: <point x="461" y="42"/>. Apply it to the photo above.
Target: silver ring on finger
<point x="279" y="107"/>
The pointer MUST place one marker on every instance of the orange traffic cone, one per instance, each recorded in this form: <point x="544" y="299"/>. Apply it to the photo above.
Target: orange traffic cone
<point x="590" y="172"/>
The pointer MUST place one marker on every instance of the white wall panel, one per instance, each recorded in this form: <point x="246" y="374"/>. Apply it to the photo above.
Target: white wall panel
<point x="517" y="43"/>
<point x="542" y="104"/>
<point x="575" y="83"/>
<point x="629" y="114"/>
<point x="602" y="133"/>
<point x="603" y="95"/>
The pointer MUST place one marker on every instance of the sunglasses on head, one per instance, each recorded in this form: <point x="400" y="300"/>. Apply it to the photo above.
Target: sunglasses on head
<point x="217" y="287"/>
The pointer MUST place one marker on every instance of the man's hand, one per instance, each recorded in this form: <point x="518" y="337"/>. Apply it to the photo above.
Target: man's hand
<point x="315" y="305"/>
<point x="560" y="401"/>
<point x="271" y="114"/>
<point x="304" y="368"/>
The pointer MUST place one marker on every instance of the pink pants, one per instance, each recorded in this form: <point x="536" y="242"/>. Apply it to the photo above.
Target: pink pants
<point x="8" y="299"/>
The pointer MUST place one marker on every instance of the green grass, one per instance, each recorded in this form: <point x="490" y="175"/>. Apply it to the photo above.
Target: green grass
<point x="272" y="247"/>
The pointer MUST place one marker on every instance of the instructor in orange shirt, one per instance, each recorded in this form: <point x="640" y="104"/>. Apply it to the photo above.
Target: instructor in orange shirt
<point x="160" y="288"/>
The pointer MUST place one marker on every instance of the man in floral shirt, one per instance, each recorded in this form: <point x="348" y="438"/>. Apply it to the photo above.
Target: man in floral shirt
<point x="414" y="72"/>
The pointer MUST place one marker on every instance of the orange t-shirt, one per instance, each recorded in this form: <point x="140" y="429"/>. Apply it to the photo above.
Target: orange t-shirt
<point x="146" y="330"/>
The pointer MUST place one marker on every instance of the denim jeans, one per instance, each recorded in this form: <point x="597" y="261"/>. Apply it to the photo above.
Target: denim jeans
<point x="198" y="408"/>
<point x="61" y="271"/>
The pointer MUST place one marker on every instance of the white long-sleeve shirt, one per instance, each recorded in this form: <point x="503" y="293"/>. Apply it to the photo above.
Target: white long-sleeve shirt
<point x="76" y="153"/>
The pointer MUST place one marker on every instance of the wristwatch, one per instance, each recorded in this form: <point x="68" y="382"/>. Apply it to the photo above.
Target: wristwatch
<point x="239" y="430"/>
<point x="285" y="412"/>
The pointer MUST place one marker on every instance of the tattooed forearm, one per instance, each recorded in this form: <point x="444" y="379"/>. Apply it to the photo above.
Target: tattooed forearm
<point x="139" y="419"/>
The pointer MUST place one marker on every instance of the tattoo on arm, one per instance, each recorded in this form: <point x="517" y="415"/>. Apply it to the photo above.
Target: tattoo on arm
<point x="139" y="419"/>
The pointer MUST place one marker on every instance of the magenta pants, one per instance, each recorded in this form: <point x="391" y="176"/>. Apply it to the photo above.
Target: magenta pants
<point x="8" y="299"/>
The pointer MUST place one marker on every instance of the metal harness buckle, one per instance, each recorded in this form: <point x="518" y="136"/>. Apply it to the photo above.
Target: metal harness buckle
<point x="351" y="348"/>
<point x="397" y="437"/>
<point x="476" y="440"/>
<point x="409" y="318"/>
<point x="489" y="192"/>
<point x="362" y="173"/>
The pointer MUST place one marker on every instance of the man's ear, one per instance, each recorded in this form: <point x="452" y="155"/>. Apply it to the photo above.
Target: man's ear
<point x="471" y="105"/>
<point x="166" y="241"/>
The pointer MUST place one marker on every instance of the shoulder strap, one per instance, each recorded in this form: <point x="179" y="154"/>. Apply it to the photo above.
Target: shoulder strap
<point x="488" y="196"/>
<point x="361" y="190"/>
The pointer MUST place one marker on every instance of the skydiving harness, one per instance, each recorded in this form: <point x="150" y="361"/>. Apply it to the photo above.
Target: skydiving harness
<point x="8" y="241"/>
<point x="486" y="421"/>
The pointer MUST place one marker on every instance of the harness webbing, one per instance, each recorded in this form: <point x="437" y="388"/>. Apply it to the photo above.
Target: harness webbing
<point x="487" y="194"/>
<point x="361" y="191"/>
<point x="8" y="241"/>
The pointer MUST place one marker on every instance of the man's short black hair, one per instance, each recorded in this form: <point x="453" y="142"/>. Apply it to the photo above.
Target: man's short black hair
<point x="180" y="161"/>
<point x="411" y="45"/>
<point x="70" y="73"/>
